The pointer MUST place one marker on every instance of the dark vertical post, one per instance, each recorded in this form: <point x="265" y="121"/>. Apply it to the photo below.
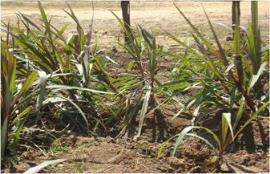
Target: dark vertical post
<point x="235" y="13"/>
<point x="126" y="15"/>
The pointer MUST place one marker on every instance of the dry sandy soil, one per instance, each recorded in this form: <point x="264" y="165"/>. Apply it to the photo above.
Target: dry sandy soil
<point x="109" y="155"/>
<point x="155" y="16"/>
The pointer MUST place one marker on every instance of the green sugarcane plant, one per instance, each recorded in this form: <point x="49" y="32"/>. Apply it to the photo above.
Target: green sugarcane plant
<point x="219" y="142"/>
<point x="227" y="84"/>
<point x="72" y="65"/>
<point x="142" y="47"/>
<point x="15" y="95"/>
<point x="238" y="76"/>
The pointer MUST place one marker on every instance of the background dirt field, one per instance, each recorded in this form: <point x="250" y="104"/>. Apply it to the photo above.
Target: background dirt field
<point x="155" y="16"/>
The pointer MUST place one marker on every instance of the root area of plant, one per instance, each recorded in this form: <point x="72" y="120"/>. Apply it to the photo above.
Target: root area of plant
<point x="107" y="154"/>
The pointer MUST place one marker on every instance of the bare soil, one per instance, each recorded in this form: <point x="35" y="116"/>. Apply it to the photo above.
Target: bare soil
<point x="109" y="155"/>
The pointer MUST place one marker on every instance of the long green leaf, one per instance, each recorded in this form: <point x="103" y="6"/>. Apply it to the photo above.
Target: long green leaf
<point x="213" y="135"/>
<point x="240" y="112"/>
<point x="203" y="139"/>
<point x="195" y="29"/>
<point x="256" y="77"/>
<point x="21" y="115"/>
<point x="28" y="83"/>
<point x="180" y="137"/>
<point x="64" y="87"/>
<point x="144" y="110"/>
<point x="252" y="117"/>
<point x="221" y="51"/>
<point x="226" y="123"/>
<point x="43" y="165"/>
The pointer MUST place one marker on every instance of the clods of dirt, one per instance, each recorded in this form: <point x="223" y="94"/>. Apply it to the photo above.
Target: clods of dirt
<point x="108" y="155"/>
